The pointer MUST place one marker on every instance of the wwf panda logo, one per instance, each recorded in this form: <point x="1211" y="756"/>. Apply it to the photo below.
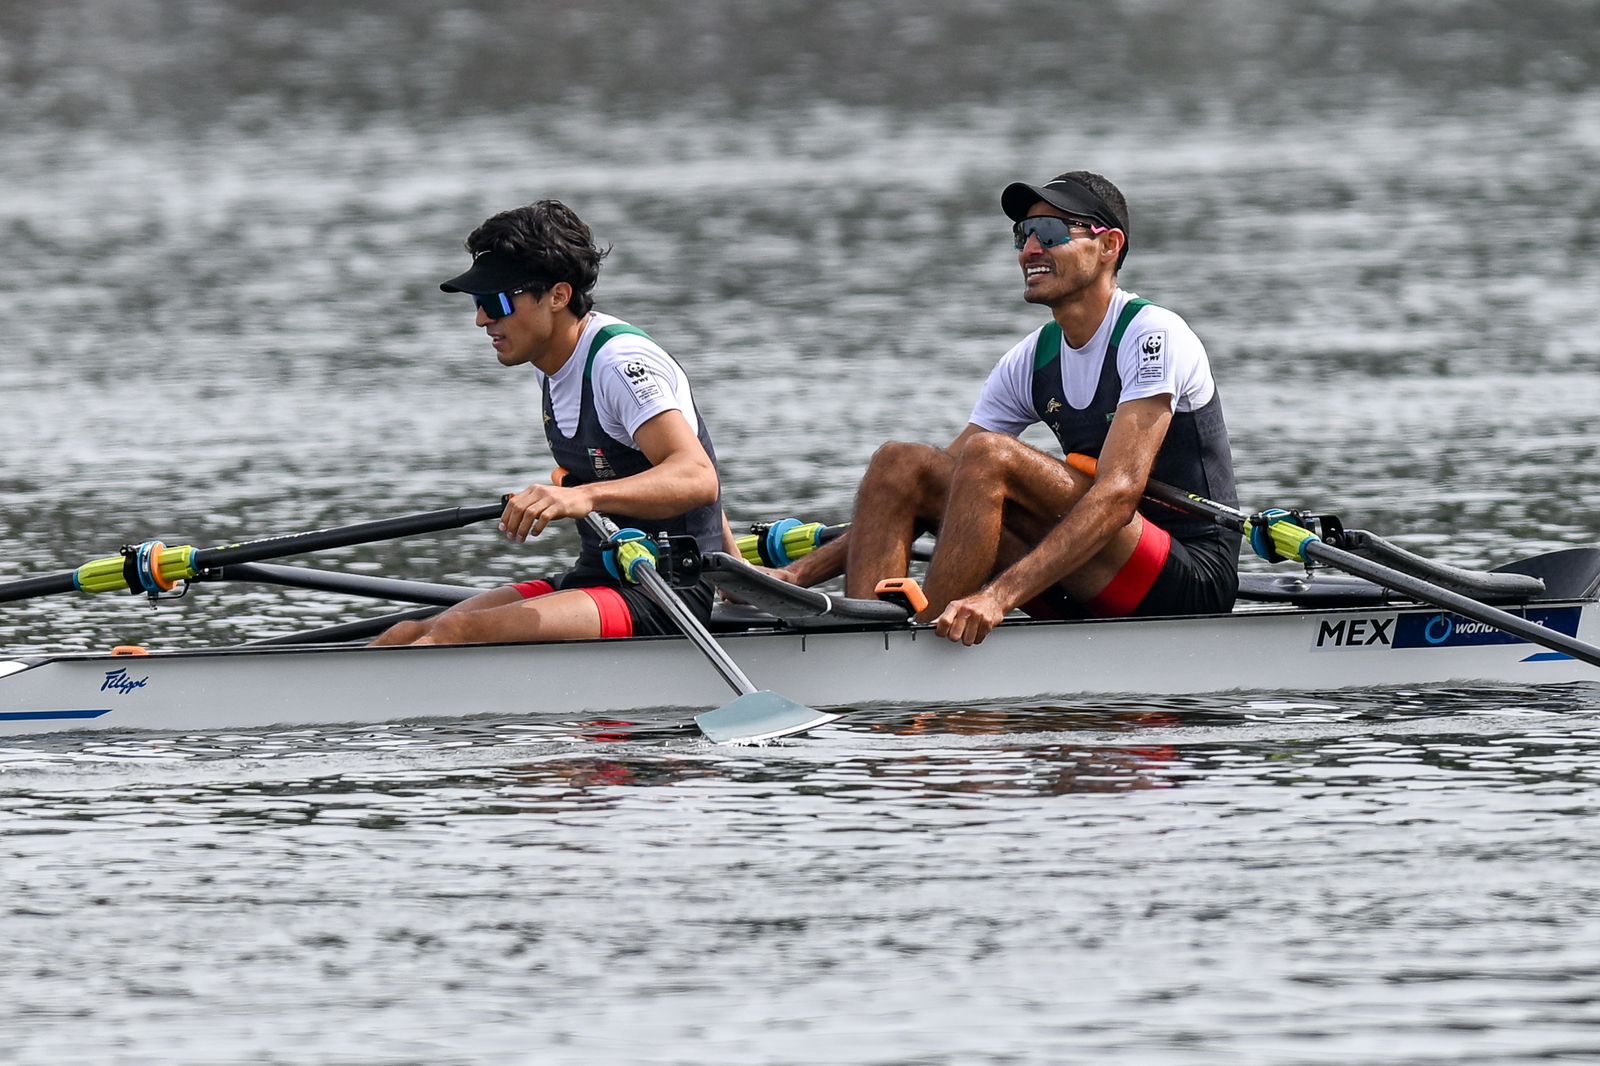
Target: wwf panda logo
<point x="644" y="384"/>
<point x="1152" y="363"/>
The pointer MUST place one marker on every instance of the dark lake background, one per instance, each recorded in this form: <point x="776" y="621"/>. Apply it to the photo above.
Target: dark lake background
<point x="223" y="228"/>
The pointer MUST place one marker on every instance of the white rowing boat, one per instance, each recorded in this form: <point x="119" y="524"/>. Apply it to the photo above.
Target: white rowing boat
<point x="1292" y="635"/>
<point x="1387" y="618"/>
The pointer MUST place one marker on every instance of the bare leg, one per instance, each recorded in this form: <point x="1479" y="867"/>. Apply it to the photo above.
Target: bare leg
<point x="1001" y="486"/>
<point x="503" y="615"/>
<point x="569" y="615"/>
<point x="411" y="632"/>
<point x="901" y="494"/>
<point x="403" y="632"/>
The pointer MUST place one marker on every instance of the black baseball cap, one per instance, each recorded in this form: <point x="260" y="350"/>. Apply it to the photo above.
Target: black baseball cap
<point x="492" y="271"/>
<point x="1065" y="193"/>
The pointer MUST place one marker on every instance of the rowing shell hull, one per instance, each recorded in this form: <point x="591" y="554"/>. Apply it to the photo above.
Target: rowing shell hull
<point x="661" y="679"/>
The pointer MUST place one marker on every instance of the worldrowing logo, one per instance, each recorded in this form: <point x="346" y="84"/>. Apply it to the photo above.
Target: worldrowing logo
<point x="1446" y="630"/>
<point x="1441" y="628"/>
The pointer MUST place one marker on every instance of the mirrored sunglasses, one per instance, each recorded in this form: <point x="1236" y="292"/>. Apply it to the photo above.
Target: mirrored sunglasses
<point x="1051" y="231"/>
<point x="498" y="305"/>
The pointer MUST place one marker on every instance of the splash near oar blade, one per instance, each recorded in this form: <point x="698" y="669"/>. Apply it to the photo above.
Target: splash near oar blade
<point x="759" y="716"/>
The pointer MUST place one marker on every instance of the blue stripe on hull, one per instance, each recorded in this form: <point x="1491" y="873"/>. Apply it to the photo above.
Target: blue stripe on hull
<point x="50" y="716"/>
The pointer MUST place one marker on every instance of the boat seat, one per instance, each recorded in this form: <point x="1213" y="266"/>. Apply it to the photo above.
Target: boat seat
<point x="795" y="606"/>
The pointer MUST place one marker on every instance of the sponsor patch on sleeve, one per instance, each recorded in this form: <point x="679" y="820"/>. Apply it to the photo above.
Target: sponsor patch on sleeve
<point x="641" y="382"/>
<point x="1153" y="358"/>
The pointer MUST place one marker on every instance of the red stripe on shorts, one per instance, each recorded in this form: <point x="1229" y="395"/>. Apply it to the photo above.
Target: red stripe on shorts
<point x="1137" y="576"/>
<point x="533" y="589"/>
<point x="616" y="620"/>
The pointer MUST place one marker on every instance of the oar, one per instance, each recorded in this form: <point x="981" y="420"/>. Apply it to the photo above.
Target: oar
<point x="778" y="544"/>
<point x="1298" y="543"/>
<point x="756" y="714"/>
<point x="153" y="567"/>
<point x="378" y="588"/>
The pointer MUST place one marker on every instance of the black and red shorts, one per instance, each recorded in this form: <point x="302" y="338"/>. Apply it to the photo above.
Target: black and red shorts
<point x="1164" y="576"/>
<point x="625" y="610"/>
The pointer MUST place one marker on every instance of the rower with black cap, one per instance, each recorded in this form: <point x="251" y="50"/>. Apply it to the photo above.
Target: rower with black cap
<point x="621" y="423"/>
<point x="1113" y="376"/>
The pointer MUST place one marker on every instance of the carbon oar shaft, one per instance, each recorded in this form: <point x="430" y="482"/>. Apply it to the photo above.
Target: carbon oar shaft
<point x="265" y="548"/>
<point x="30" y="587"/>
<point x="755" y="714"/>
<point x="1465" y="606"/>
<point x="1320" y="551"/>
<point x="656" y="587"/>
<point x="380" y="588"/>
<point x="345" y="536"/>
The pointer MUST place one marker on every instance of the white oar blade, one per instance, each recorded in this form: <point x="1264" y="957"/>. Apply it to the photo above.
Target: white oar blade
<point x="758" y="716"/>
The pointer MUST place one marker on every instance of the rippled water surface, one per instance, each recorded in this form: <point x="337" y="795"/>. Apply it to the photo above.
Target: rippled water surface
<point x="224" y="227"/>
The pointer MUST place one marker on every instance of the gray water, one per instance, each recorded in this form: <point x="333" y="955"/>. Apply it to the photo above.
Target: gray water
<point x="223" y="229"/>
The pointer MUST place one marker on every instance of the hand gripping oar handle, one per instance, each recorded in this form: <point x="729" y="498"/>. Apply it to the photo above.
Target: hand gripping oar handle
<point x="656" y="587"/>
<point x="185" y="563"/>
<point x="1307" y="545"/>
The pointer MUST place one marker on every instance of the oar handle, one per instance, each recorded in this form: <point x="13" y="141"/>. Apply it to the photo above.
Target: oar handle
<point x="1177" y="499"/>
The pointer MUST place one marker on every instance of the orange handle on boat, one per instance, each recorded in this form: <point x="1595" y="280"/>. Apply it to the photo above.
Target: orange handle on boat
<point x="904" y="591"/>
<point x="1086" y="465"/>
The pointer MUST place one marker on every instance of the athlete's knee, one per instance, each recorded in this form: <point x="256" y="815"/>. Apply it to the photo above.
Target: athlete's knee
<point x="983" y="465"/>
<point x="897" y="458"/>
<point x="455" y="628"/>
<point x="402" y="633"/>
<point x="1002" y="464"/>
<point x="907" y="470"/>
<point x="992" y="452"/>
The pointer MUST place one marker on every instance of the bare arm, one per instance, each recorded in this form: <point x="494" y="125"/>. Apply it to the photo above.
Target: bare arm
<point x="681" y="478"/>
<point x="1130" y="450"/>
<point x="824" y="563"/>
<point x="730" y="539"/>
<point x="1135" y="437"/>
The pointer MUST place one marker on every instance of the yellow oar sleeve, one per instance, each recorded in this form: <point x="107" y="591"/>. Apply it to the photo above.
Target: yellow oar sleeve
<point x="1275" y="536"/>
<point x="781" y="543"/>
<point x="167" y="566"/>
